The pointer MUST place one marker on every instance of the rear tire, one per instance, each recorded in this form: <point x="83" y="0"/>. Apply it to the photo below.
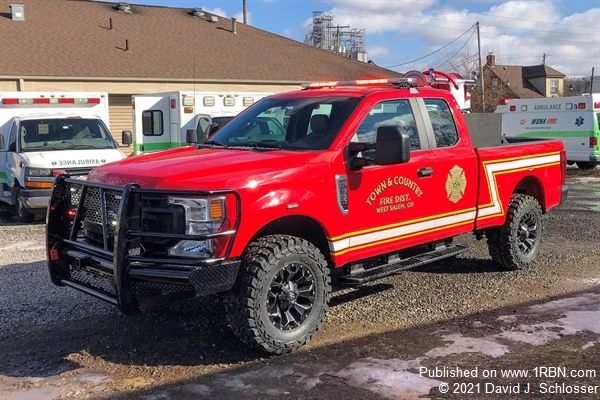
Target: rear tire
<point x="516" y="244"/>
<point x="281" y="294"/>
<point x="586" y="165"/>
<point x="23" y="215"/>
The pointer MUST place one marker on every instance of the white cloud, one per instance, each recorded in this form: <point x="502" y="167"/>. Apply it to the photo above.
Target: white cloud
<point x="517" y="31"/>
<point x="378" y="51"/>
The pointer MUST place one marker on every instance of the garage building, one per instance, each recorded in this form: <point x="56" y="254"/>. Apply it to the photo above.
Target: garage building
<point x="123" y="49"/>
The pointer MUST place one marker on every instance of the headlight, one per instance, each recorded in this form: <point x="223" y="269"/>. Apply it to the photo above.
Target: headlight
<point x="202" y="216"/>
<point x="30" y="171"/>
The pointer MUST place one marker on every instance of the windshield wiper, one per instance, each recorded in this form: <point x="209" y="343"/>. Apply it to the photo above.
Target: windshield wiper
<point x="265" y="145"/>
<point x="214" y="142"/>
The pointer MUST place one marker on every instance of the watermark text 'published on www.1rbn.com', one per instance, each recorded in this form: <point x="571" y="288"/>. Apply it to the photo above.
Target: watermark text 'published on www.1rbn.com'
<point x="557" y="380"/>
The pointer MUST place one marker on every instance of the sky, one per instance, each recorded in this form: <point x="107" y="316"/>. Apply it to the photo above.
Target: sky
<point x="398" y="32"/>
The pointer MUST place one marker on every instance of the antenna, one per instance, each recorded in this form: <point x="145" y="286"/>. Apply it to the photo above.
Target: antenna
<point x="544" y="58"/>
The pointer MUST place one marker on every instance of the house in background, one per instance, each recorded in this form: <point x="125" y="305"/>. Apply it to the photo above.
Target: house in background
<point x="518" y="82"/>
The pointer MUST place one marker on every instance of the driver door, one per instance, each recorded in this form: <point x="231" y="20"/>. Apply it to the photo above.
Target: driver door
<point x="390" y="205"/>
<point x="6" y="157"/>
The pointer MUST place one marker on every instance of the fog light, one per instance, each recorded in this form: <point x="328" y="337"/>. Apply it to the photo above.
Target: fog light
<point x="193" y="248"/>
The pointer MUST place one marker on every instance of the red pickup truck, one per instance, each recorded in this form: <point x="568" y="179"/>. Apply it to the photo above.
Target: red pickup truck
<point x="371" y="177"/>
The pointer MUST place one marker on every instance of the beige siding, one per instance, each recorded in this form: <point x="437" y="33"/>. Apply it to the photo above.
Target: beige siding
<point x="119" y="114"/>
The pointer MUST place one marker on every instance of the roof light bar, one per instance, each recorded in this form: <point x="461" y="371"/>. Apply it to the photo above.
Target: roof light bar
<point x="358" y="82"/>
<point x="50" y="100"/>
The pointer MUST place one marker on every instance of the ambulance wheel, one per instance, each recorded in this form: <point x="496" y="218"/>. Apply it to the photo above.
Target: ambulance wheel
<point x="585" y="165"/>
<point x="570" y="163"/>
<point x="281" y="294"/>
<point x="516" y="244"/>
<point x="23" y="215"/>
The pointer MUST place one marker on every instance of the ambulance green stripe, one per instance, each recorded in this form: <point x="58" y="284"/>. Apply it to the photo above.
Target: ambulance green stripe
<point x="3" y="175"/>
<point x="158" y="146"/>
<point x="558" y="134"/>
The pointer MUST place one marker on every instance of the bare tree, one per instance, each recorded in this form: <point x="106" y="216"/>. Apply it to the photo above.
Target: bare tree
<point x="462" y="63"/>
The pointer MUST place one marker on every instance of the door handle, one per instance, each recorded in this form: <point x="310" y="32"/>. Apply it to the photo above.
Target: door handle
<point x="423" y="172"/>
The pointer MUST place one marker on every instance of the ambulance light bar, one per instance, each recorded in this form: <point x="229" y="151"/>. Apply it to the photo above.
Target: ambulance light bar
<point x="358" y="82"/>
<point x="51" y="100"/>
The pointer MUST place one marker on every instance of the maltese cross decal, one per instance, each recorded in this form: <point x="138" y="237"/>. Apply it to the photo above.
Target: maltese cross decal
<point x="579" y="121"/>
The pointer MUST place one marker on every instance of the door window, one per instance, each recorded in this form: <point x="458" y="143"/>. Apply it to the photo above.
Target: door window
<point x="393" y="112"/>
<point x="12" y="138"/>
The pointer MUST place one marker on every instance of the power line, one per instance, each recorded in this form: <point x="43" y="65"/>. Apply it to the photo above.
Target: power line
<point x="433" y="52"/>
<point x="459" y="50"/>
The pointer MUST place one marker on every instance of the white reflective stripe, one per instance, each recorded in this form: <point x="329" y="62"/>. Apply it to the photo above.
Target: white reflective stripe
<point x="366" y="238"/>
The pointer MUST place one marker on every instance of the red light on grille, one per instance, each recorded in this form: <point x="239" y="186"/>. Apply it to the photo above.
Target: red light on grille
<point x="71" y="213"/>
<point x="58" y="172"/>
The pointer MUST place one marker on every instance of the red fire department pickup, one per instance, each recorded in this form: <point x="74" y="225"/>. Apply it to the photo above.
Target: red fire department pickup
<point x="372" y="177"/>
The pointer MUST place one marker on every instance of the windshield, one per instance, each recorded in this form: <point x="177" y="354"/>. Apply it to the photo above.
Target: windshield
<point x="65" y="134"/>
<point x="297" y="123"/>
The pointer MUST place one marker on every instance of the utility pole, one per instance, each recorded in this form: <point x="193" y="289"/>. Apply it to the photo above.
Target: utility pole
<point x="592" y="82"/>
<point x="244" y="12"/>
<point x="544" y="58"/>
<point x="480" y="70"/>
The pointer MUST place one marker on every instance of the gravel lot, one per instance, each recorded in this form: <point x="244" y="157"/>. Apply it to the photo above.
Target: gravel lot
<point x="56" y="342"/>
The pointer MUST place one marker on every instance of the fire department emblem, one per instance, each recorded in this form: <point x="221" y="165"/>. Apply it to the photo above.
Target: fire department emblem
<point x="456" y="184"/>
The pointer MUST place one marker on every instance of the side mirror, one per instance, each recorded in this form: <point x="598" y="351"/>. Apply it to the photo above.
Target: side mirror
<point x="191" y="136"/>
<point x="127" y="138"/>
<point x="2" y="144"/>
<point x="213" y="128"/>
<point x="392" y="145"/>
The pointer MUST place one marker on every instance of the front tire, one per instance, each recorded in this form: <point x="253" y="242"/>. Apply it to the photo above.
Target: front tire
<point x="23" y="215"/>
<point x="516" y="244"/>
<point x="586" y="165"/>
<point x="281" y="294"/>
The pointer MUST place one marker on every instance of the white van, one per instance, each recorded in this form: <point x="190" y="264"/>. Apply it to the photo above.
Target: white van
<point x="574" y="120"/>
<point x="45" y="134"/>
<point x="161" y="120"/>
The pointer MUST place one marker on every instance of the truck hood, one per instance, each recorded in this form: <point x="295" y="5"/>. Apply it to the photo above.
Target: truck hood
<point x="215" y="168"/>
<point x="71" y="159"/>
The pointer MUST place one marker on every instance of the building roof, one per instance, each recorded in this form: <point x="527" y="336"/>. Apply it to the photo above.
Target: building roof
<point x="512" y="75"/>
<point x="71" y="38"/>
<point x="541" y="71"/>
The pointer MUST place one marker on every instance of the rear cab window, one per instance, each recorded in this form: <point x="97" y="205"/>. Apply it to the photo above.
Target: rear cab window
<point x="442" y="121"/>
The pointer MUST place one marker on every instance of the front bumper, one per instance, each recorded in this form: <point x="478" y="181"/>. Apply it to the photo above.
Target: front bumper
<point x="595" y="158"/>
<point x="564" y="192"/>
<point x="114" y="267"/>
<point x="36" y="201"/>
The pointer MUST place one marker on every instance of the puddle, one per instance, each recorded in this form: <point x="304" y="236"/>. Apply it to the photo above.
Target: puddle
<point x="47" y="393"/>
<point x="389" y="378"/>
<point x="464" y="344"/>
<point x="535" y="335"/>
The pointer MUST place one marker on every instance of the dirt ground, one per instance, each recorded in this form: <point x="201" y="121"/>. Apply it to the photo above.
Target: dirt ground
<point x="56" y="343"/>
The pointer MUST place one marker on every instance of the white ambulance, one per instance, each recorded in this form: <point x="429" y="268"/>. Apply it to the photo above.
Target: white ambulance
<point x="161" y="120"/>
<point x="43" y="134"/>
<point x="575" y="120"/>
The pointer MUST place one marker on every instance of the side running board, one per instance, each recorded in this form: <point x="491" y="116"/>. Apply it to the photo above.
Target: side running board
<point x="398" y="265"/>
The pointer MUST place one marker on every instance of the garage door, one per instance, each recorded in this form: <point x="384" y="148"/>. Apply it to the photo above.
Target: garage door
<point x="119" y="114"/>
